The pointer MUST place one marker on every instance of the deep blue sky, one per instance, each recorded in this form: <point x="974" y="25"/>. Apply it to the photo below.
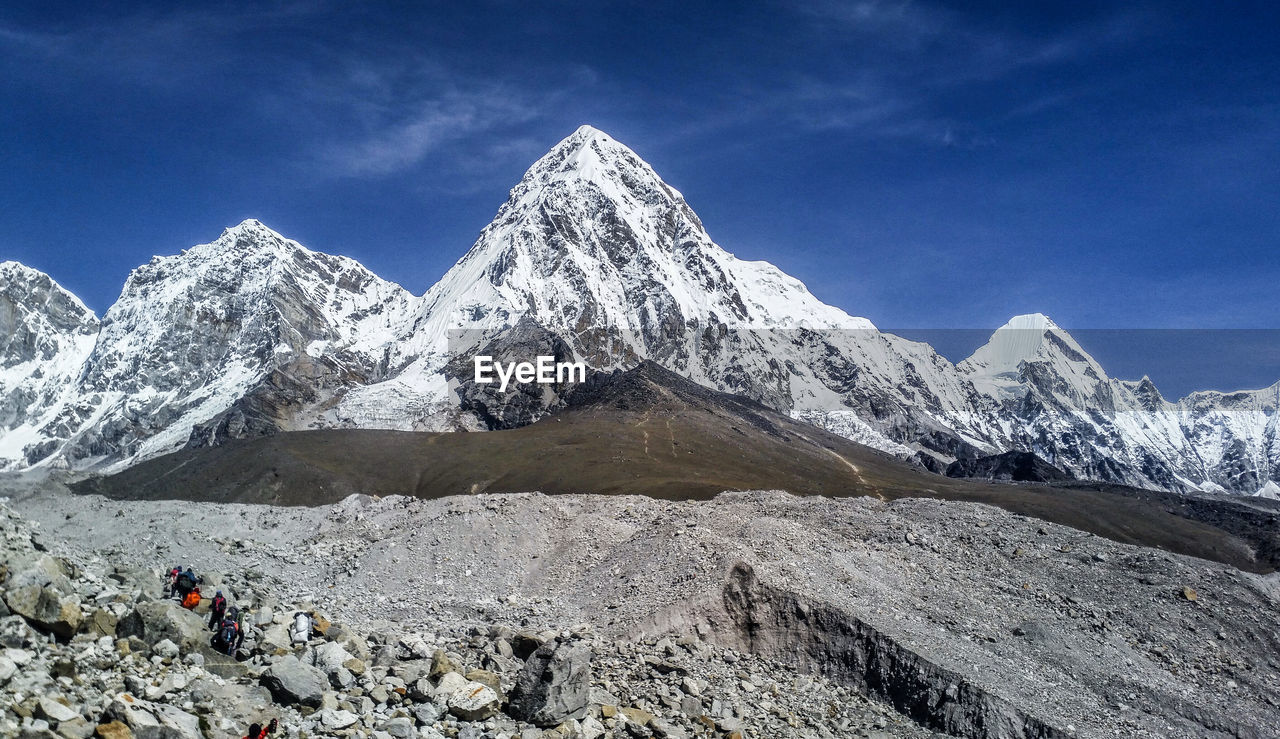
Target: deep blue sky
<point x="923" y="164"/>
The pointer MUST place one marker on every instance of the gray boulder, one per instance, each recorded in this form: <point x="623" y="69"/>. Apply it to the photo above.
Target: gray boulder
<point x="240" y="705"/>
<point x="275" y="638"/>
<point x="427" y="713"/>
<point x="399" y="728"/>
<point x="102" y="622"/>
<point x="45" y="571"/>
<point x="150" y="720"/>
<point x="222" y="665"/>
<point x="293" y="682"/>
<point x="46" y="609"/>
<point x="554" y="684"/>
<point x="155" y="621"/>
<point x="332" y="659"/>
<point x="16" y="633"/>
<point x="474" y="702"/>
<point x="54" y="711"/>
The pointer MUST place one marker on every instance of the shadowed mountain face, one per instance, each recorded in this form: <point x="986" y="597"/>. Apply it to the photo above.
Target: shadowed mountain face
<point x="1011" y="466"/>
<point x="650" y="432"/>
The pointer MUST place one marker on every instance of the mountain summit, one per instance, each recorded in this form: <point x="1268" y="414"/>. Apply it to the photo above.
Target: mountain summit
<point x="592" y="257"/>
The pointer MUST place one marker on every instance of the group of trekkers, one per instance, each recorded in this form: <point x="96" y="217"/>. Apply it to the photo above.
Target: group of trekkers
<point x="225" y="620"/>
<point x="227" y="624"/>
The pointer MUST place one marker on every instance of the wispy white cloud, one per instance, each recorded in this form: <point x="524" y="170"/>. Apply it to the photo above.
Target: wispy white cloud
<point x="428" y="127"/>
<point x="362" y="108"/>
<point x="902" y="64"/>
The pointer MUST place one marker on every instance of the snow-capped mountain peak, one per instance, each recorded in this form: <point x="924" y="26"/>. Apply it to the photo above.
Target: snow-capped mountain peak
<point x="37" y="315"/>
<point x="18" y="276"/>
<point x="45" y="335"/>
<point x="591" y="231"/>
<point x="594" y="256"/>
<point x="1020" y="339"/>
<point x="1030" y="346"/>
<point x="194" y="334"/>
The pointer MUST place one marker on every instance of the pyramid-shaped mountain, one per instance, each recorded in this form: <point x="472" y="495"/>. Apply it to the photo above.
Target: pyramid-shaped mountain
<point x="592" y="258"/>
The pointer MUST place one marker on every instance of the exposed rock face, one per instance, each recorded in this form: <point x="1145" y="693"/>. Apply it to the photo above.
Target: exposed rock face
<point x="518" y="405"/>
<point x="777" y="622"/>
<point x="46" y="335"/>
<point x="1012" y="466"/>
<point x="593" y="257"/>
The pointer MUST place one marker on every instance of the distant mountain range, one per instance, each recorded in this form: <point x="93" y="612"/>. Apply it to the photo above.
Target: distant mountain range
<point x="594" y="258"/>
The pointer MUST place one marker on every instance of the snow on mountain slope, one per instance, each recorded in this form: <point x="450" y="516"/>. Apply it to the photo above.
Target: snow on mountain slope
<point x="595" y="247"/>
<point x="1236" y="435"/>
<point x="252" y="319"/>
<point x="45" y="335"/>
<point x="593" y="256"/>
<point x="1058" y="402"/>
<point x="1035" y="343"/>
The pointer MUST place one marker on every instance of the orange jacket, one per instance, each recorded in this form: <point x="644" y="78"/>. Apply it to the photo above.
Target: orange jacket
<point x="191" y="601"/>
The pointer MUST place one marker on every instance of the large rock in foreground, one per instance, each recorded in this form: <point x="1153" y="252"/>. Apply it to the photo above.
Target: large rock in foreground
<point x="553" y="685"/>
<point x="159" y="620"/>
<point x="474" y="702"/>
<point x="293" y="682"/>
<point x="46" y="609"/>
<point x="148" y="719"/>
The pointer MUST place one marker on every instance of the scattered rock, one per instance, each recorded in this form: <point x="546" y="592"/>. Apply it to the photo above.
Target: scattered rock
<point x="145" y="718"/>
<point x="165" y="649"/>
<point x="113" y="730"/>
<point x="54" y="711"/>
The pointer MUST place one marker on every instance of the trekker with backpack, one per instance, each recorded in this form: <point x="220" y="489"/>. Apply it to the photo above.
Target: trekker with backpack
<point x="171" y="580"/>
<point x="300" y="632"/>
<point x="186" y="582"/>
<point x="229" y="636"/>
<point x="217" y="609"/>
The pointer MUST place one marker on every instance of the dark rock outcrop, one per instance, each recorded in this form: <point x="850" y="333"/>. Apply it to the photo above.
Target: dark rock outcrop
<point x="1011" y="466"/>
<point x="554" y="684"/>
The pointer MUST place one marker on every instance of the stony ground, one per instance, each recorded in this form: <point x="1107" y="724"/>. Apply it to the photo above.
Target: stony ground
<point x="781" y="616"/>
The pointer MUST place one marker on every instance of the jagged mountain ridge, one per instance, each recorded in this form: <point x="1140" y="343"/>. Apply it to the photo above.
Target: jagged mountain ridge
<point x="46" y="334"/>
<point x="250" y="321"/>
<point x="253" y="334"/>
<point x="601" y="252"/>
<point x="1058" y="402"/>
